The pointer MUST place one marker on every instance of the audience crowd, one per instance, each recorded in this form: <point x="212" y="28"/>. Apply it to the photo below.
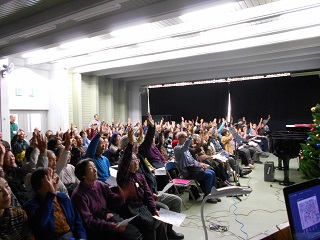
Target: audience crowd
<point x="56" y="185"/>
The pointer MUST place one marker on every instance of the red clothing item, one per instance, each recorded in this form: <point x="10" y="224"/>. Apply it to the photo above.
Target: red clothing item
<point x="174" y="143"/>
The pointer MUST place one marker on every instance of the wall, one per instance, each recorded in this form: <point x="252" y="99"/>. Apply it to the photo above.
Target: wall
<point x="58" y="114"/>
<point x="5" y="120"/>
<point x="29" y="89"/>
<point x="134" y="104"/>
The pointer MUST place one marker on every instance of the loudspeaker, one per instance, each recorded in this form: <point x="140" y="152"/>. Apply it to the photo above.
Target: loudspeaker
<point x="269" y="171"/>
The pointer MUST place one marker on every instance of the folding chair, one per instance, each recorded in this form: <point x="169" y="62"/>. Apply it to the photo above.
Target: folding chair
<point x="180" y="182"/>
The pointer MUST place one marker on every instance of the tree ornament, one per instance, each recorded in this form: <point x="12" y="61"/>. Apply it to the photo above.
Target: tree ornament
<point x="309" y="139"/>
<point x="304" y="151"/>
<point x="313" y="109"/>
<point x="308" y="144"/>
<point x="317" y="127"/>
<point x="312" y="130"/>
<point x="314" y="120"/>
<point x="318" y="145"/>
<point x="318" y="135"/>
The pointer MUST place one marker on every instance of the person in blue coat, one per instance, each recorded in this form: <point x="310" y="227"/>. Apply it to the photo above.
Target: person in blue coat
<point x="51" y="214"/>
<point x="95" y="150"/>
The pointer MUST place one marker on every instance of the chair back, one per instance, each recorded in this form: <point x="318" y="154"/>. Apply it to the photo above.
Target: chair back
<point x="170" y="165"/>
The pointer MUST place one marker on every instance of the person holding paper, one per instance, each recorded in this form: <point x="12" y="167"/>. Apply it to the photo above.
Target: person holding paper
<point x="139" y="198"/>
<point x="165" y="200"/>
<point x="98" y="206"/>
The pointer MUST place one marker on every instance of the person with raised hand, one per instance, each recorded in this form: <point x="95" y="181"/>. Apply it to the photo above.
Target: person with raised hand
<point x="139" y="198"/>
<point x="95" y="150"/>
<point x="51" y="214"/>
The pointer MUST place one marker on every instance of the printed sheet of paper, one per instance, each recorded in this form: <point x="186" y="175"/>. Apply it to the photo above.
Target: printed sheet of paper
<point x="112" y="180"/>
<point x="160" y="171"/>
<point x="166" y="188"/>
<point x="126" y="221"/>
<point x="170" y="217"/>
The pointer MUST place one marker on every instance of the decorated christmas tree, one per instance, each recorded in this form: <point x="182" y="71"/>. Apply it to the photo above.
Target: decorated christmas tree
<point x="310" y="153"/>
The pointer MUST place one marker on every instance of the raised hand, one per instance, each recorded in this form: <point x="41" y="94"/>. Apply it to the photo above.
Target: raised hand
<point x="150" y="120"/>
<point x="130" y="135"/>
<point x="50" y="182"/>
<point x="42" y="143"/>
<point x="67" y="140"/>
<point x="103" y="128"/>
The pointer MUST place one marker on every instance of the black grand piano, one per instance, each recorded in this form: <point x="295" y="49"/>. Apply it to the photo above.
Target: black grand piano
<point x="286" y="145"/>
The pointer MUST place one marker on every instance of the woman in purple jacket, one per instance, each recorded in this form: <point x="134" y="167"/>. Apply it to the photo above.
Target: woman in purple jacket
<point x="139" y="198"/>
<point x="98" y="206"/>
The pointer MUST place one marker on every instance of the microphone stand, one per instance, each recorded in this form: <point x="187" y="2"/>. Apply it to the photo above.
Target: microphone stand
<point x="221" y="192"/>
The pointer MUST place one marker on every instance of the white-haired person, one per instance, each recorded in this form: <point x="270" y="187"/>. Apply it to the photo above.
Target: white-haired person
<point x="192" y="169"/>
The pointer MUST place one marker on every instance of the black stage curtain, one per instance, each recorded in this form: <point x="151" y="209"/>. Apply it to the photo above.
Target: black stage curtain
<point x="206" y="101"/>
<point x="288" y="100"/>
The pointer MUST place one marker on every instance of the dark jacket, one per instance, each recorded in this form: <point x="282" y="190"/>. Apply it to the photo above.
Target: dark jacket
<point x="40" y="211"/>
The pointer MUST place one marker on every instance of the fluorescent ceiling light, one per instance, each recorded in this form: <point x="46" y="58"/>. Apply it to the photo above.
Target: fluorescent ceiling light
<point x="240" y="44"/>
<point x="77" y="43"/>
<point x="133" y="31"/>
<point x="208" y="12"/>
<point x="130" y="36"/>
<point x="33" y="53"/>
<point x="226" y="34"/>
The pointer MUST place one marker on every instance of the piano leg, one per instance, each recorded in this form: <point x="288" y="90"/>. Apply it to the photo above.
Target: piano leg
<point x="280" y="167"/>
<point x="286" y="181"/>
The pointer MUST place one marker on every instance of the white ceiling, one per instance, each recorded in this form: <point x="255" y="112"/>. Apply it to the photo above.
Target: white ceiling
<point x="252" y="37"/>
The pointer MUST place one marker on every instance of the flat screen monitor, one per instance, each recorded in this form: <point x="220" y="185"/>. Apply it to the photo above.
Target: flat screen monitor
<point x="303" y="208"/>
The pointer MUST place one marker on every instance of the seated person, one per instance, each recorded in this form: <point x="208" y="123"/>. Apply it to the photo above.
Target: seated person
<point x="167" y="201"/>
<point x="13" y="219"/>
<point x="192" y="169"/>
<point x="139" y="198"/>
<point x="113" y="152"/>
<point x="14" y="175"/>
<point x="214" y="147"/>
<point x="97" y="205"/>
<point x="47" y="158"/>
<point x="77" y="150"/>
<point x="19" y="146"/>
<point x="95" y="150"/>
<point x="51" y="214"/>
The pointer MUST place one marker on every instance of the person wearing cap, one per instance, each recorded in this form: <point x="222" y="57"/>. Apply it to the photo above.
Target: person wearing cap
<point x="166" y="200"/>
